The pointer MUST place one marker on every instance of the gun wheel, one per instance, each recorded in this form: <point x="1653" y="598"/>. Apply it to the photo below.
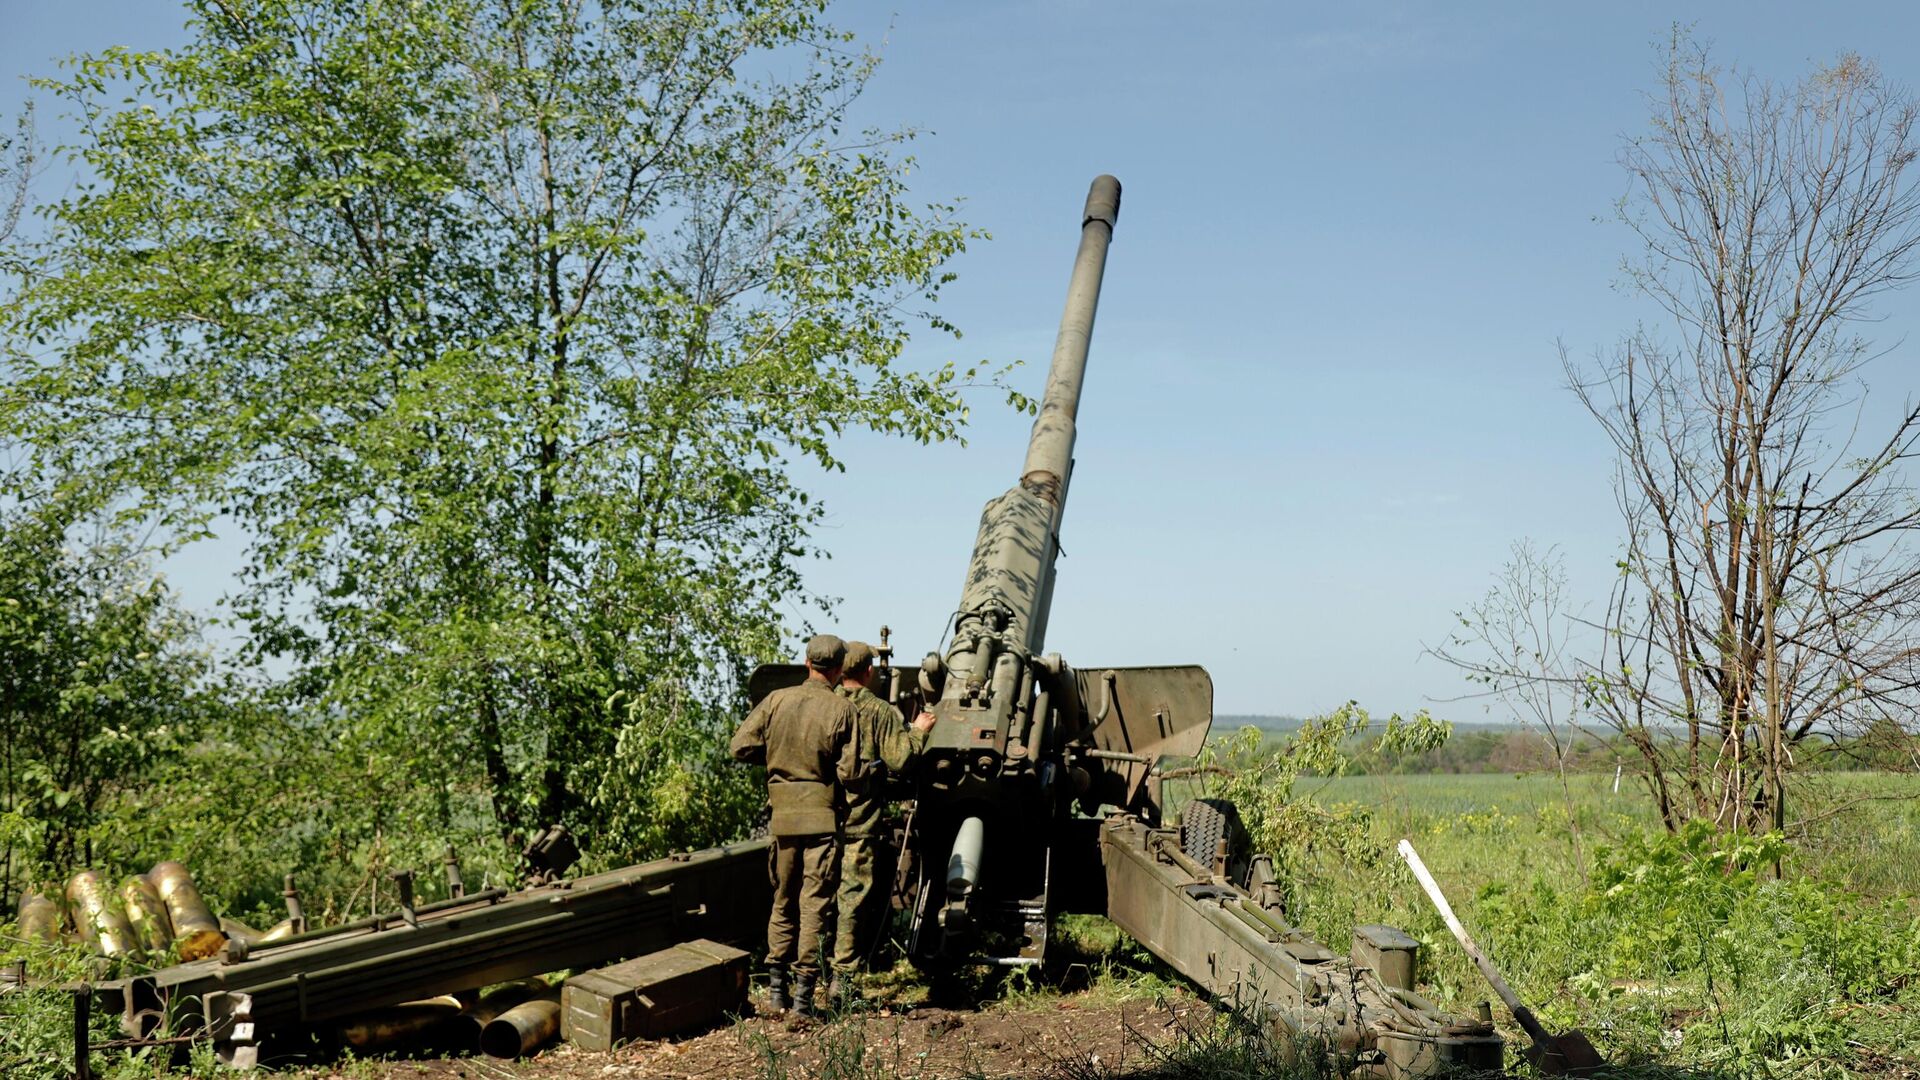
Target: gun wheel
<point x="1204" y="823"/>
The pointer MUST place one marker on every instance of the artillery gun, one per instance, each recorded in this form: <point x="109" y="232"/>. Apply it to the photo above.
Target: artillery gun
<point x="1039" y="793"/>
<point x="1040" y="788"/>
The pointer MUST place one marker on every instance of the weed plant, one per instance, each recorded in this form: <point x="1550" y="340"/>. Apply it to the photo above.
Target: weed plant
<point x="1692" y="952"/>
<point x="856" y="1046"/>
<point x="1237" y="1042"/>
<point x="36" y="1021"/>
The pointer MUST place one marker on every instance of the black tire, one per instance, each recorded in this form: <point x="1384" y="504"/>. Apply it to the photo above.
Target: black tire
<point x="1206" y="822"/>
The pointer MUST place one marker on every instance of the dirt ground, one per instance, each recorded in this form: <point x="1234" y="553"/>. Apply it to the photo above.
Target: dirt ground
<point x="1043" y="1036"/>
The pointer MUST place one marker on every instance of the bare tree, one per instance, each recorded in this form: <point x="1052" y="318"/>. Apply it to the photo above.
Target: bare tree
<point x="1770" y="583"/>
<point x="1517" y="644"/>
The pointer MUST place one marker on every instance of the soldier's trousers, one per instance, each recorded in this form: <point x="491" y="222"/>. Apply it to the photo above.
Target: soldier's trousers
<point x="802" y="871"/>
<point x="858" y="900"/>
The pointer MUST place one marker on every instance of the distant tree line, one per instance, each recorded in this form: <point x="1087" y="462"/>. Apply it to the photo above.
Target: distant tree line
<point x="1522" y="750"/>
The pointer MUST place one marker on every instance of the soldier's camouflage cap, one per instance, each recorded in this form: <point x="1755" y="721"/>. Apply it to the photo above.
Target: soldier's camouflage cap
<point x="859" y="655"/>
<point x="826" y="651"/>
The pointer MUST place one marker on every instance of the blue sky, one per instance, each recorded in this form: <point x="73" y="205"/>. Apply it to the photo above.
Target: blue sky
<point x="1325" y="394"/>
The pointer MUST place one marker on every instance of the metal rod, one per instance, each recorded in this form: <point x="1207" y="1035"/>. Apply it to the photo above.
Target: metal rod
<point x="82" y="1025"/>
<point x="438" y="907"/>
<point x="403" y="883"/>
<point x="455" y="886"/>
<point x="1534" y="1029"/>
<point x="295" y="917"/>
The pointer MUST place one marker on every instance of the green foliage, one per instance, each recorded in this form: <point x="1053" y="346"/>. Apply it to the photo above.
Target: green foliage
<point x="36" y="1024"/>
<point x="1671" y="894"/>
<point x="498" y="331"/>
<point x="1681" y="951"/>
<point x="18" y="154"/>
<point x="101" y="690"/>
<point x="1759" y="971"/>
<point x="671" y="784"/>
<point x="270" y="791"/>
<point x="1300" y="833"/>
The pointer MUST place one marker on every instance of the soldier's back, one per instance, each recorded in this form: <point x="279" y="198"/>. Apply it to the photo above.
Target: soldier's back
<point x="806" y="727"/>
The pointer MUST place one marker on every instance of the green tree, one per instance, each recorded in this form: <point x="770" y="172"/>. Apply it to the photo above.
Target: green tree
<point x="1284" y="817"/>
<point x="498" y="328"/>
<point x="18" y="154"/>
<point x="101" y="688"/>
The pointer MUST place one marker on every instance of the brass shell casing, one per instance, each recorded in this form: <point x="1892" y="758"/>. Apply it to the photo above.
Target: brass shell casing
<point x="491" y="1005"/>
<point x="146" y="913"/>
<point x="524" y="1028"/>
<point x="234" y="928"/>
<point x="39" y="919"/>
<point x="279" y="931"/>
<point x="194" y="928"/>
<point x="398" y="1025"/>
<point x="97" y="915"/>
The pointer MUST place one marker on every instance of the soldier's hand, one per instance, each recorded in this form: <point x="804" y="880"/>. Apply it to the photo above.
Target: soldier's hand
<point x="924" y="722"/>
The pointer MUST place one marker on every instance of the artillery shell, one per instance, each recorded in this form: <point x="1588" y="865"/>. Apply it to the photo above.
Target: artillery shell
<point x="396" y="1026"/>
<point x="98" y="917"/>
<point x="524" y="1028"/>
<point x="146" y="913"/>
<point x="279" y="931"/>
<point x="491" y="1004"/>
<point x="39" y="918"/>
<point x="234" y="928"/>
<point x="194" y="926"/>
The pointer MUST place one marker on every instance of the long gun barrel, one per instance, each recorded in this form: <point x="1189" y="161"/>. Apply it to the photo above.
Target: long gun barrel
<point x="1002" y="618"/>
<point x="1050" y="450"/>
<point x="997" y="776"/>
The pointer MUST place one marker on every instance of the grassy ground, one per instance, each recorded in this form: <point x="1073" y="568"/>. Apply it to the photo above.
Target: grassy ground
<point x="1661" y="951"/>
<point x="1676" y="967"/>
<point x="1477" y="830"/>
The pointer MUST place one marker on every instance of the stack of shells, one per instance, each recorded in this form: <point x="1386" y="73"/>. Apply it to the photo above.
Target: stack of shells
<point x="145" y="916"/>
<point x="162" y="909"/>
<point x="509" y="1021"/>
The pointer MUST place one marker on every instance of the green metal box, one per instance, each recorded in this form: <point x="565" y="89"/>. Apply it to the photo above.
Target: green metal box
<point x="689" y="984"/>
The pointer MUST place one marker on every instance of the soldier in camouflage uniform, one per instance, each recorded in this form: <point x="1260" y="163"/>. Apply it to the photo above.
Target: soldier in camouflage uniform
<point x="887" y="744"/>
<point x="806" y="737"/>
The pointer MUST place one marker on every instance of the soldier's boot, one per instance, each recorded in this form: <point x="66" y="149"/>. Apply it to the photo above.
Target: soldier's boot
<point x="777" y="998"/>
<point x="803" y="995"/>
<point x="841" y="992"/>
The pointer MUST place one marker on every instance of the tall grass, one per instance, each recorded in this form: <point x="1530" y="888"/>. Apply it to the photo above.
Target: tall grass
<point x="1728" y="954"/>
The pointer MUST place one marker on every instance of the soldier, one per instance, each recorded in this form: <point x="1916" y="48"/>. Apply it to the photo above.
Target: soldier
<point x="887" y="744"/>
<point x="805" y="735"/>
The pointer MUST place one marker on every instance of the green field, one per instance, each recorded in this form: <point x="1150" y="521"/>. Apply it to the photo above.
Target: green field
<point x="1486" y="827"/>
<point x="1667" y="953"/>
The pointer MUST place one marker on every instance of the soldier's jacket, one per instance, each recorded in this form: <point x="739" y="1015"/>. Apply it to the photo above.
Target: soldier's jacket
<point x="885" y="739"/>
<point x="806" y="737"/>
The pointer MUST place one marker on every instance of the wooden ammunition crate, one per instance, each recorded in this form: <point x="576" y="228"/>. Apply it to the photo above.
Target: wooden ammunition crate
<point x="689" y="984"/>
